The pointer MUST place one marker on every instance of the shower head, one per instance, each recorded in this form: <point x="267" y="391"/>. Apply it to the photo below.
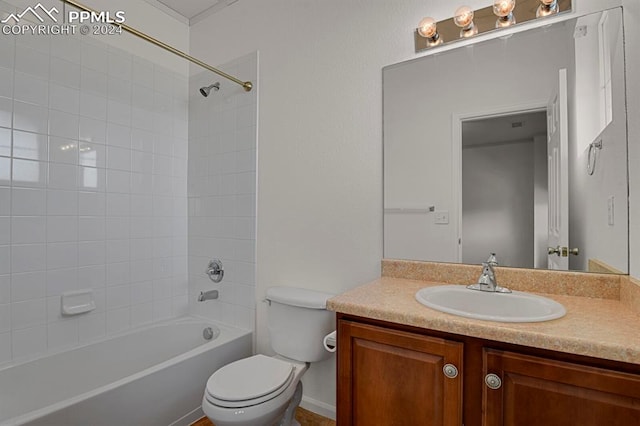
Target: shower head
<point x="204" y="91"/>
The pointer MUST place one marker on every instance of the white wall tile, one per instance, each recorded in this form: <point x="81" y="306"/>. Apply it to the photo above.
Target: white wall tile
<point x="92" y="276"/>
<point x="5" y="289"/>
<point x="91" y="203"/>
<point x="118" y="135"/>
<point x="91" y="253"/>
<point x="62" y="255"/>
<point x="62" y="229"/>
<point x="31" y="89"/>
<point x="5" y="230"/>
<point x="118" y="273"/>
<point x="67" y="48"/>
<point x="118" y="320"/>
<point x="141" y="314"/>
<point x="6" y="82"/>
<point x="92" y="154"/>
<point x="63" y="124"/>
<point x="93" y="106"/>
<point x="5" y="347"/>
<point x="32" y="62"/>
<point x="5" y="201"/>
<point x="29" y="174"/>
<point x="118" y="158"/>
<point x="5" y="318"/>
<point x="28" y="202"/>
<point x="62" y="203"/>
<point x="118" y="228"/>
<point x="92" y="327"/>
<point x="62" y="334"/>
<point x="63" y="150"/>
<point x="28" y="313"/>
<point x="28" y="229"/>
<point x="31" y="118"/>
<point x="64" y="98"/>
<point x="65" y="73"/>
<point x="60" y="281"/>
<point x="29" y="342"/>
<point x="28" y="258"/>
<point x="93" y="81"/>
<point x="91" y="228"/>
<point x="118" y="112"/>
<point x="67" y="216"/>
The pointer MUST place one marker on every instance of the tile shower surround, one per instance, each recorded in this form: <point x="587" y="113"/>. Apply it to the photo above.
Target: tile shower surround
<point x="93" y="191"/>
<point x="222" y="193"/>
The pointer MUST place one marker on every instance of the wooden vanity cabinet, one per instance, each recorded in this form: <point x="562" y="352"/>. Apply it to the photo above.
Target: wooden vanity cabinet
<point x="540" y="391"/>
<point x="389" y="374"/>
<point x="390" y="377"/>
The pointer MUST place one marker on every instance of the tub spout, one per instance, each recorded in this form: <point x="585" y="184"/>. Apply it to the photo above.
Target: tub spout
<point x="207" y="295"/>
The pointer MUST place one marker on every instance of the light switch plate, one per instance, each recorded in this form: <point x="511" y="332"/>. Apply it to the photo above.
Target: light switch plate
<point x="442" y="217"/>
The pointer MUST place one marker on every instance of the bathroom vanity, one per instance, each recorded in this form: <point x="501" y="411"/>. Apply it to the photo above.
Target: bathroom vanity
<point x="402" y="363"/>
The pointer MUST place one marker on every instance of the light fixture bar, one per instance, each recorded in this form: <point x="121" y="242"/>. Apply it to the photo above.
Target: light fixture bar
<point x="247" y="85"/>
<point x="484" y="21"/>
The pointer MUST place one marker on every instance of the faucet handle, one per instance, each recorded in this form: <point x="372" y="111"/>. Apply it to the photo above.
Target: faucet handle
<point x="492" y="260"/>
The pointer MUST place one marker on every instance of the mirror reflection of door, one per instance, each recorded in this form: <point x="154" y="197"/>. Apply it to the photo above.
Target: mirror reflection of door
<point x="505" y="203"/>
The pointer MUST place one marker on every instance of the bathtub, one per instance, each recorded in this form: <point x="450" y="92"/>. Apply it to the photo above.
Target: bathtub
<point x="154" y="375"/>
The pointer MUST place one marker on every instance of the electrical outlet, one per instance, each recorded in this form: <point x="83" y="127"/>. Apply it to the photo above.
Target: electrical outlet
<point x="442" y="217"/>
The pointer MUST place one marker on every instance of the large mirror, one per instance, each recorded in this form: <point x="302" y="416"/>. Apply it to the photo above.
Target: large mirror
<point x="515" y="145"/>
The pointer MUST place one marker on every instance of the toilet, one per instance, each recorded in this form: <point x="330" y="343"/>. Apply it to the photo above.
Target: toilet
<point x="265" y="391"/>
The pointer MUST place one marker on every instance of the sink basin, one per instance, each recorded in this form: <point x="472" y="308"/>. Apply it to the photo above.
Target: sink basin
<point x="503" y="307"/>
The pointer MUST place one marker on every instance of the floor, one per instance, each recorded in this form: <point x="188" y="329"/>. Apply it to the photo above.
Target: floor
<point x="305" y="417"/>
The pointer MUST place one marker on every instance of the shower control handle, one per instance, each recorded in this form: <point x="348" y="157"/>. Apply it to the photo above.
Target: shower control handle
<point x="215" y="271"/>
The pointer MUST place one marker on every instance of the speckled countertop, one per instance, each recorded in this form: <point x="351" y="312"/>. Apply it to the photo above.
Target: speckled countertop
<point x="597" y="327"/>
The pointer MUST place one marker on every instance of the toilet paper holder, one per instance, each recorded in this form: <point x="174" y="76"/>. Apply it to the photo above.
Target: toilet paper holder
<point x="330" y="341"/>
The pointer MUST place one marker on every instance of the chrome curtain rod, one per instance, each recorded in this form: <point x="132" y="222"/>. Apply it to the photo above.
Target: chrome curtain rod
<point x="247" y="85"/>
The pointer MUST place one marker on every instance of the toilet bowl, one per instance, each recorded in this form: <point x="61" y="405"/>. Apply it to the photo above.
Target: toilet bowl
<point x="254" y="391"/>
<point x="263" y="390"/>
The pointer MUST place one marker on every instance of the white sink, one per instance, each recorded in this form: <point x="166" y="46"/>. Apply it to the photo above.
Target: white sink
<point x="503" y="307"/>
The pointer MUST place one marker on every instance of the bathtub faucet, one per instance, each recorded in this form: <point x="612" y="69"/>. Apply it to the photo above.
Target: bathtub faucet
<point x="208" y="295"/>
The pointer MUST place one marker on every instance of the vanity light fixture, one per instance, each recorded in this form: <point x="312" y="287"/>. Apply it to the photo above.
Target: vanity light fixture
<point x="547" y="8"/>
<point x="463" y="18"/>
<point x="503" y="9"/>
<point x="467" y="22"/>
<point x="428" y="28"/>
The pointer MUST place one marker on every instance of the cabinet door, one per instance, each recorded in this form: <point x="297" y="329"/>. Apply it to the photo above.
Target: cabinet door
<point x="538" y="391"/>
<point x="389" y="377"/>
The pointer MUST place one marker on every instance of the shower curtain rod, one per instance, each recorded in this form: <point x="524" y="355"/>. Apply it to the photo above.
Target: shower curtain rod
<point x="247" y="85"/>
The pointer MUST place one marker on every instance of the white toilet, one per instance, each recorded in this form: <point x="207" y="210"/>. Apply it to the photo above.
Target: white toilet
<point x="265" y="391"/>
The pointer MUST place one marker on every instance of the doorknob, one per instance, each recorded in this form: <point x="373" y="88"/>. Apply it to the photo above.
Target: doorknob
<point x="554" y="250"/>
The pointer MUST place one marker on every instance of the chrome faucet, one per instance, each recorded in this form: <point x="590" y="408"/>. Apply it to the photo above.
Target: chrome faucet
<point x="207" y="295"/>
<point x="487" y="280"/>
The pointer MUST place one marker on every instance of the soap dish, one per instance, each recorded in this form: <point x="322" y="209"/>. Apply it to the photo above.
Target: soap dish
<point x="77" y="302"/>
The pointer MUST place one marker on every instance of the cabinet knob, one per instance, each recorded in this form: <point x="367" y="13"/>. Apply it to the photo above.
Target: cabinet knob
<point x="493" y="381"/>
<point x="450" y="371"/>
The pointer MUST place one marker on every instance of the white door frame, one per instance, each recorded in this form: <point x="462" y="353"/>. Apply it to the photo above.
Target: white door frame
<point x="456" y="148"/>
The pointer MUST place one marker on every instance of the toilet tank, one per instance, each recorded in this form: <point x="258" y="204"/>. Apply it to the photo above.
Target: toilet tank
<point x="298" y="321"/>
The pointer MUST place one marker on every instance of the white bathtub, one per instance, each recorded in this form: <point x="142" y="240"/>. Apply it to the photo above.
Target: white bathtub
<point x="152" y="376"/>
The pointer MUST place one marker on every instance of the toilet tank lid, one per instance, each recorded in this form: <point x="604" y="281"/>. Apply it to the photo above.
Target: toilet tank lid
<point x="300" y="297"/>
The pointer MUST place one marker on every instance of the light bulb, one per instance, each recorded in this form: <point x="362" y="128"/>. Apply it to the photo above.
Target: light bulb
<point x="463" y="17"/>
<point x="503" y="8"/>
<point x="547" y="7"/>
<point x="427" y="27"/>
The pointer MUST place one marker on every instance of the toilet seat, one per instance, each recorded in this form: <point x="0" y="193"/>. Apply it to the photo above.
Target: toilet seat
<point x="249" y="381"/>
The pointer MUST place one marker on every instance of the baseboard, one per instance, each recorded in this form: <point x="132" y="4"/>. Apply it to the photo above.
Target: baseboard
<point x="189" y="418"/>
<point x="319" y="407"/>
